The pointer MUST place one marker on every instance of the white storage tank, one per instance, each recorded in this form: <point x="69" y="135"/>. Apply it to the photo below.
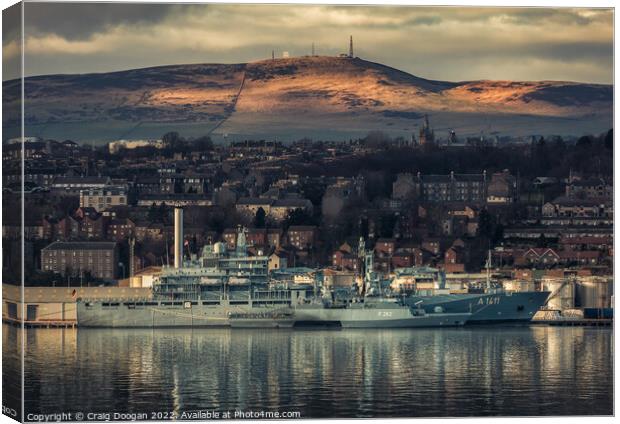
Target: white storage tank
<point x="564" y="298"/>
<point x="594" y="293"/>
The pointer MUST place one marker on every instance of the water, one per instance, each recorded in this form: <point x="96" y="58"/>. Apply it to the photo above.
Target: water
<point x="476" y="371"/>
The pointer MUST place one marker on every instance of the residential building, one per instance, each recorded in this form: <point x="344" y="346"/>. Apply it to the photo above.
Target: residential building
<point x="229" y="237"/>
<point x="103" y="198"/>
<point x="454" y="259"/>
<point x="590" y="188"/>
<point x="74" y="185"/>
<point x="339" y="194"/>
<point x="248" y="206"/>
<point x="275" y="210"/>
<point x="274" y="237"/>
<point x="92" y="226"/>
<point x="466" y="188"/>
<point x="281" y="209"/>
<point x="302" y="237"/>
<point x="147" y="185"/>
<point x="177" y="199"/>
<point x="256" y="237"/>
<point x="541" y="257"/>
<point x="77" y="259"/>
<point x="120" y="229"/>
<point x="584" y="208"/>
<point x="278" y="260"/>
<point x="502" y="189"/>
<point x="385" y="247"/>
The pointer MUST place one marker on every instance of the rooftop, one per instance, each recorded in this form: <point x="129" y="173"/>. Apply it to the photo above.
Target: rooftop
<point x="81" y="180"/>
<point x="81" y="245"/>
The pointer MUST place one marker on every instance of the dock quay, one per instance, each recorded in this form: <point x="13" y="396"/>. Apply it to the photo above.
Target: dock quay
<point x="575" y="322"/>
<point x="42" y="323"/>
<point x="56" y="307"/>
<point x="575" y="318"/>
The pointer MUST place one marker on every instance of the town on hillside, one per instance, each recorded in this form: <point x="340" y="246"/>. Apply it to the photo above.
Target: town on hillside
<point x="101" y="215"/>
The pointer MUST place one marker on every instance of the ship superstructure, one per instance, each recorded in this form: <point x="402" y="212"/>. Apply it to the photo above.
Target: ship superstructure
<point x="217" y="275"/>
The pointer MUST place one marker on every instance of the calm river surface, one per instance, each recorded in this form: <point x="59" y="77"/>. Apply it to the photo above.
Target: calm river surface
<point x="472" y="371"/>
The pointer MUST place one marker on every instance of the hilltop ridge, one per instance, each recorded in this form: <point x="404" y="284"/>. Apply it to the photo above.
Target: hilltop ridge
<point x="292" y="98"/>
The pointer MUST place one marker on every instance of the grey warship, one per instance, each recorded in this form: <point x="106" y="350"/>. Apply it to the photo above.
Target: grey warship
<point x="233" y="289"/>
<point x="487" y="301"/>
<point x="373" y="308"/>
<point x="383" y="313"/>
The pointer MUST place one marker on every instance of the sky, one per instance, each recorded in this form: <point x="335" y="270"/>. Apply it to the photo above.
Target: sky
<point x="441" y="43"/>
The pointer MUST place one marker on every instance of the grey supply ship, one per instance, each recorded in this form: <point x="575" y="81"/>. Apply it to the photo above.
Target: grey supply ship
<point x="232" y="289"/>
<point x="216" y="290"/>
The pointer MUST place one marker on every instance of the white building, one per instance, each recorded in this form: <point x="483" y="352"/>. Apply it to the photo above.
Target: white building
<point x="103" y="198"/>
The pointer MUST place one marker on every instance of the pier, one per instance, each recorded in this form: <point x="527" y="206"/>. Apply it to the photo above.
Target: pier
<point x="42" y="323"/>
<point x="575" y="322"/>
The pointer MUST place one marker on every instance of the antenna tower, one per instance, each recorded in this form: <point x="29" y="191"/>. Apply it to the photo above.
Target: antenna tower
<point x="351" y="46"/>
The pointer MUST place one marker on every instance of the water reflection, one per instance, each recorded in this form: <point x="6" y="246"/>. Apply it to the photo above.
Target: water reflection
<point x="458" y="372"/>
<point x="12" y="343"/>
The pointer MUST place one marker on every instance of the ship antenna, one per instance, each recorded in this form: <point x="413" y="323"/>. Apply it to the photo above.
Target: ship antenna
<point x="361" y="253"/>
<point x="489" y="270"/>
<point x="167" y="248"/>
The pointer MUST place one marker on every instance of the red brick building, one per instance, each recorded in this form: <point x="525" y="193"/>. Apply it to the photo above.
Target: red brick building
<point x="120" y="229"/>
<point x="302" y="237"/>
<point x="385" y="247"/>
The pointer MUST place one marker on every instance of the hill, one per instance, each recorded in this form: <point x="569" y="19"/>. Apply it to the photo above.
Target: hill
<point x="316" y="97"/>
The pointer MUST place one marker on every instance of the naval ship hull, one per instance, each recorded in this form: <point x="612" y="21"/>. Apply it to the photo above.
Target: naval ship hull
<point x="375" y="318"/>
<point x="154" y="314"/>
<point x="195" y="314"/>
<point x="486" y="308"/>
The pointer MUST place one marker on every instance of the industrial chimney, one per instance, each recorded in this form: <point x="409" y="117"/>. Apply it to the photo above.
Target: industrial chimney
<point x="178" y="237"/>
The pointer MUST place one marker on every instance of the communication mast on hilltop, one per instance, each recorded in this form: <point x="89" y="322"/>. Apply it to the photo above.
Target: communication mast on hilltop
<point x="351" y="46"/>
<point x="312" y="49"/>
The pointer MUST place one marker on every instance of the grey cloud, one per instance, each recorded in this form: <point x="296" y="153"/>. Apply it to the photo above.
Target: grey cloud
<point x="442" y="42"/>
<point x="424" y="20"/>
<point x="540" y="16"/>
<point x="560" y="51"/>
<point x="11" y="33"/>
<point x="79" y="21"/>
<point x="11" y="24"/>
<point x="568" y="52"/>
<point x="520" y="15"/>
